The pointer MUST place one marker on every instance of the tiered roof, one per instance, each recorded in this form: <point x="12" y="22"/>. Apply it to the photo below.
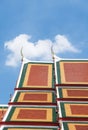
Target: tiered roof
<point x="33" y="105"/>
<point x="72" y="94"/>
<point x="49" y="96"/>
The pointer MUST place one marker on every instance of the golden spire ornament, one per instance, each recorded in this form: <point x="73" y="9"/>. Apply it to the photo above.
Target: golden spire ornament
<point x="22" y="56"/>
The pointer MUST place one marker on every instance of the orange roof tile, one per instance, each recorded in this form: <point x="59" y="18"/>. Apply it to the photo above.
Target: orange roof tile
<point x="74" y="72"/>
<point x="74" y="110"/>
<point x="73" y="92"/>
<point x="38" y="114"/>
<point x="34" y="97"/>
<point x="37" y="76"/>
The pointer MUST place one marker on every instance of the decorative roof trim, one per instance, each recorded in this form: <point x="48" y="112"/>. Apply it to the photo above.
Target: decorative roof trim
<point x="32" y="104"/>
<point x="22" y="123"/>
<point x="26" y="88"/>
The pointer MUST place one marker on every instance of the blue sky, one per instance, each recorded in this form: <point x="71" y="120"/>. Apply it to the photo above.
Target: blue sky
<point x="36" y="25"/>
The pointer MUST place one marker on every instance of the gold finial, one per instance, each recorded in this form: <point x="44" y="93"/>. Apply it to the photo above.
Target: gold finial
<point x="52" y="52"/>
<point x="21" y="53"/>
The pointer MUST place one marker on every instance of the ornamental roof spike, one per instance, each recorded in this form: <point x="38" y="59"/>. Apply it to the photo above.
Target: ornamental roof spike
<point x="52" y="52"/>
<point x="21" y="52"/>
<point x="54" y="57"/>
<point x="23" y="59"/>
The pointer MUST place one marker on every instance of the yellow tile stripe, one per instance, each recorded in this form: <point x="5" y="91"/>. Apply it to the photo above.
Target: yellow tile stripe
<point x="49" y="80"/>
<point x="63" y="80"/>
<point x="3" y="109"/>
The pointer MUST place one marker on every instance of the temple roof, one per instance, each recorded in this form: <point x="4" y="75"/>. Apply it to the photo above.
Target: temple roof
<point x="49" y="96"/>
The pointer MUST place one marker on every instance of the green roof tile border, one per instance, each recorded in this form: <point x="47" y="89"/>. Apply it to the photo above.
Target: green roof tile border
<point x="23" y="75"/>
<point x="3" y="107"/>
<point x="58" y="72"/>
<point x="30" y="128"/>
<point x="60" y="92"/>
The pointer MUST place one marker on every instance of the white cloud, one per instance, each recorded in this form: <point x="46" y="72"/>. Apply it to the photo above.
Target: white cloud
<point x="62" y="44"/>
<point x="37" y="50"/>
